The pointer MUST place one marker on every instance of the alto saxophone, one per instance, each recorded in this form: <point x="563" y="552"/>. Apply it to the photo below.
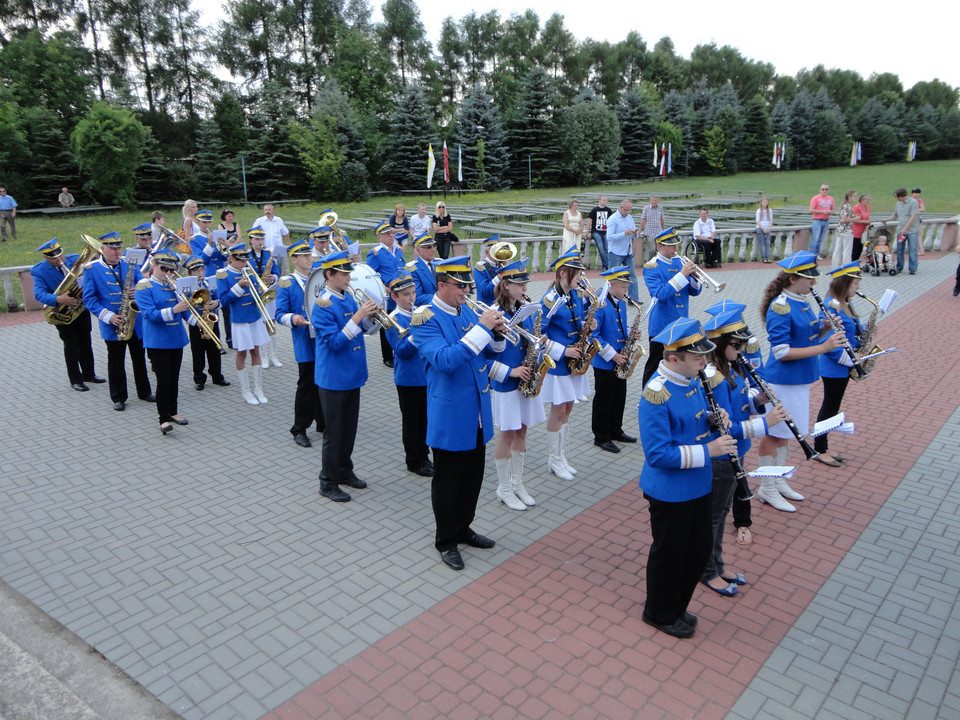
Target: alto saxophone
<point x="586" y="344"/>
<point x="632" y="349"/>
<point x="538" y="371"/>
<point x="866" y="338"/>
<point x="128" y="307"/>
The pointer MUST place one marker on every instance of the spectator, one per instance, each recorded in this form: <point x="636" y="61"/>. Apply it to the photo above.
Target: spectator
<point x="705" y="235"/>
<point x="820" y="208"/>
<point x="598" y="229"/>
<point x="764" y="224"/>
<point x="189" y="228"/>
<point x="230" y="225"/>
<point x="420" y="223"/>
<point x="157" y="221"/>
<point x="276" y="236"/>
<point x="8" y="214"/>
<point x="915" y="194"/>
<point x="861" y="219"/>
<point x="442" y="230"/>
<point x="907" y="215"/>
<point x="65" y="198"/>
<point x="651" y="225"/>
<point x="401" y="225"/>
<point x="621" y="230"/>
<point x="843" y="245"/>
<point x="572" y="228"/>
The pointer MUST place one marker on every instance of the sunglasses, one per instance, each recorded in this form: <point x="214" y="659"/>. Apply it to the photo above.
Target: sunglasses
<point x="441" y="206"/>
<point x="164" y="268"/>
<point x="824" y="189"/>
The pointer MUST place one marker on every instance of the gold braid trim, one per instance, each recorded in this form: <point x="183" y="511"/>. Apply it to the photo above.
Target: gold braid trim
<point x="656" y="393"/>
<point x="421" y="315"/>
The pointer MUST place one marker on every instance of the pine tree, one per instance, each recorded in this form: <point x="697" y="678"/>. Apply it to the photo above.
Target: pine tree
<point x="636" y="114"/>
<point x="412" y="129"/>
<point x="274" y="169"/>
<point x="52" y="165"/>
<point x="532" y="133"/>
<point x="801" y="130"/>
<point x="479" y="127"/>
<point x="217" y="172"/>
<point x="153" y="182"/>
<point x="757" y="136"/>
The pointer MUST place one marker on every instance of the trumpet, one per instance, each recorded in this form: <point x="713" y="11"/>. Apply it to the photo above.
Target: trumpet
<point x="702" y="276"/>
<point x="380" y="315"/>
<point x="257" y="289"/>
<point x="511" y="334"/>
<point x="205" y="321"/>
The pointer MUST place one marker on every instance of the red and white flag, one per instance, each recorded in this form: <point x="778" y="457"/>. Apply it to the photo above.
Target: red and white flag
<point x="446" y="163"/>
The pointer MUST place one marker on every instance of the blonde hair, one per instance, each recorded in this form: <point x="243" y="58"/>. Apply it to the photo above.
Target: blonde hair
<point x="765" y="212"/>
<point x="398" y="208"/>
<point x="185" y="210"/>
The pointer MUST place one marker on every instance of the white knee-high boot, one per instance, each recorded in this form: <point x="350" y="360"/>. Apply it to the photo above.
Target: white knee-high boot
<point x="564" y="437"/>
<point x="257" y="372"/>
<point x="505" y="488"/>
<point x="782" y="486"/>
<point x="516" y="458"/>
<point x="555" y="462"/>
<point x="274" y="360"/>
<point x="244" y="378"/>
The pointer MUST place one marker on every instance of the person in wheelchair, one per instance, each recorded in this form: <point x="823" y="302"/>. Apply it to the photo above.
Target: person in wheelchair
<point x="705" y="235"/>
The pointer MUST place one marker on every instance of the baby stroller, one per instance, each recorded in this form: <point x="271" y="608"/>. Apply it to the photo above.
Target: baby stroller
<point x="877" y="257"/>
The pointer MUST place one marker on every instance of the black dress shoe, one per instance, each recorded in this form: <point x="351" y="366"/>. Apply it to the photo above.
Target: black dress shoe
<point x="956" y="290"/>
<point x="475" y="539"/>
<point x="624" y="438"/>
<point x="166" y="427"/>
<point x="690" y="619"/>
<point x="452" y="559"/>
<point x="199" y="386"/>
<point x="149" y="398"/>
<point x="388" y="363"/>
<point x="332" y="491"/>
<point x="80" y="387"/>
<point x="181" y="421"/>
<point x="679" y="629"/>
<point x="222" y="382"/>
<point x="608" y="446"/>
<point x="425" y="470"/>
<point x="119" y="406"/>
<point x="302" y="440"/>
<point x="321" y="430"/>
<point x="94" y="379"/>
<point x="223" y="351"/>
<point x="354" y="482"/>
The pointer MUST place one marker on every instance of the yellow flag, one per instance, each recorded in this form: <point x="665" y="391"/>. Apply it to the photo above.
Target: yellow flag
<point x="431" y="164"/>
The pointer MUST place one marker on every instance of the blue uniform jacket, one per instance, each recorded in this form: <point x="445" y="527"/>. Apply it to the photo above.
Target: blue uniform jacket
<point x="407" y="363"/>
<point x="213" y="259"/>
<point x="46" y="279"/>
<point x="612" y="330"/>
<point x="739" y="402"/>
<point x="263" y="261"/>
<point x="791" y="323"/>
<point x="674" y="431"/>
<point x="341" y="362"/>
<point x="835" y="363"/>
<point x="103" y="293"/>
<point x="458" y="390"/>
<point x="671" y="289"/>
<point x="239" y="299"/>
<point x="505" y="357"/>
<point x="290" y="303"/>
<point x="485" y="277"/>
<point x="424" y="280"/>
<point x="162" y="328"/>
<point x="388" y="264"/>
<point x="564" y="327"/>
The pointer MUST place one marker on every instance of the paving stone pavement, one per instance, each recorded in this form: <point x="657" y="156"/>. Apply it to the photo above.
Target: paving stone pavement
<point x="205" y="564"/>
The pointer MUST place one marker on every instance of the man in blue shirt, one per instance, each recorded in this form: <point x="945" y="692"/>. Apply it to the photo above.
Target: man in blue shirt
<point x="621" y="230"/>
<point x="8" y="214"/>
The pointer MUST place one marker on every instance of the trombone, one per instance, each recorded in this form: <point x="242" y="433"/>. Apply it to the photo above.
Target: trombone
<point x="380" y="315"/>
<point x="257" y="289"/>
<point x="511" y="333"/>
<point x="702" y="276"/>
<point x="198" y="299"/>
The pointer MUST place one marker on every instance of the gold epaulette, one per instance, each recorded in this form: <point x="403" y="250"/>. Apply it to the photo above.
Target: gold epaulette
<point x="412" y="264"/>
<point x="714" y="376"/>
<point x="753" y="345"/>
<point x="222" y="274"/>
<point x="549" y="300"/>
<point x="656" y="392"/>
<point x="834" y="303"/>
<point x="143" y="284"/>
<point x="324" y="301"/>
<point x="780" y="306"/>
<point x="421" y="315"/>
<point x="650" y="264"/>
<point x="376" y="250"/>
<point x="285" y="281"/>
<point x="480" y="265"/>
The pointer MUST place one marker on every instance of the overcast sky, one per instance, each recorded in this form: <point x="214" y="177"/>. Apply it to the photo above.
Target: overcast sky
<point x="857" y="36"/>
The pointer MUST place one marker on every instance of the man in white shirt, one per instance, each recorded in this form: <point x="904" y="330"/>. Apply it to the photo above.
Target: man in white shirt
<point x="420" y="223"/>
<point x="705" y="234"/>
<point x="275" y="234"/>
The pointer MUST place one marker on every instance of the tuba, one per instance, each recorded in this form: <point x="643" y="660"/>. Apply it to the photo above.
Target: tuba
<point x="503" y="252"/>
<point x="65" y="314"/>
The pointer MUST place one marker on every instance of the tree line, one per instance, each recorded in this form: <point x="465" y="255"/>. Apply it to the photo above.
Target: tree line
<point x="120" y="100"/>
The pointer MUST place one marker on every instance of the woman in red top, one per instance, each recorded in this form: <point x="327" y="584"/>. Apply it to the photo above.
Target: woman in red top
<point x="861" y="218"/>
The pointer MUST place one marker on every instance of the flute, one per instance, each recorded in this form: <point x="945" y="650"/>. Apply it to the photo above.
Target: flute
<point x="741" y="477"/>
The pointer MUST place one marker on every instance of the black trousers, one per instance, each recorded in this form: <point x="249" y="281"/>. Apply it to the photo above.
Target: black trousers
<point x="166" y="366"/>
<point x="204" y="353"/>
<point x="413" y="413"/>
<point x="741" y="512"/>
<point x="226" y="325"/>
<point x="653" y="361"/>
<point x="385" y="350"/>
<point x="77" y="350"/>
<point x="306" y="403"/>
<point x="711" y="251"/>
<point x="609" y="400"/>
<point x="444" y="241"/>
<point x="678" y="555"/>
<point x="117" y="370"/>
<point x="342" y="409"/>
<point x="454" y="491"/>
<point x="833" y="390"/>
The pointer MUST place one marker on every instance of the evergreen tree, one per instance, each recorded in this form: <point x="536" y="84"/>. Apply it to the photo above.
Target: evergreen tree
<point x="879" y="140"/>
<point x="109" y="143"/>
<point x="636" y="114"/>
<point x="801" y="131"/>
<point x="232" y="124"/>
<point x="153" y="178"/>
<point x="757" y="136"/>
<point x="412" y="130"/>
<point x="52" y="165"/>
<point x="728" y="116"/>
<point x="479" y="128"/>
<point x="676" y="111"/>
<point x="274" y="169"/>
<point x="217" y="172"/>
<point x="948" y="125"/>
<point x="532" y="133"/>
<point x="832" y="143"/>
<point x="589" y="137"/>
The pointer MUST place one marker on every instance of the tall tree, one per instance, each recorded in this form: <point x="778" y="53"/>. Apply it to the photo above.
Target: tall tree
<point x="935" y="93"/>
<point x="108" y="143"/>
<point x="664" y="69"/>
<point x="404" y="34"/>
<point x="483" y="140"/>
<point x="717" y="66"/>
<point x="801" y="130"/>
<point x="182" y="72"/>
<point x="757" y="135"/>
<point x="589" y="140"/>
<point x="412" y="129"/>
<point x="636" y="114"/>
<point x="38" y="15"/>
<point x="532" y="134"/>
<point x="217" y="172"/>
<point x="274" y="168"/>
<point x="133" y="37"/>
<point x="52" y="165"/>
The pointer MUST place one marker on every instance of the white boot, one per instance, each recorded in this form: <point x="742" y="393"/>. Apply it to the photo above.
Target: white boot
<point x="782" y="486"/>
<point x="768" y="494"/>
<point x="274" y="360"/>
<point x="257" y="372"/>
<point x="564" y="436"/>
<point x="555" y="463"/>
<point x="505" y="489"/>
<point x="244" y="378"/>
<point x="516" y="458"/>
<point x="264" y="355"/>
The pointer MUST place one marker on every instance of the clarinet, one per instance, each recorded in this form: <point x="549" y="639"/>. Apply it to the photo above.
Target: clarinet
<point x="739" y="474"/>
<point x="761" y="384"/>
<point x="837" y="324"/>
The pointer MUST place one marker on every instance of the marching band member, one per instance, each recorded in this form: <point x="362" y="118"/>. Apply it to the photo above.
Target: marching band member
<point x="163" y="333"/>
<point x="677" y="475"/>
<point x="235" y="292"/>
<point x="421" y="268"/>
<point x="143" y="234"/>
<point x="610" y="392"/>
<point x="485" y="272"/>
<point x="387" y="259"/>
<point x="835" y="365"/>
<point x="204" y="351"/>
<point x="671" y="283"/>
<point x="320" y="237"/>
<point x="77" y="350"/>
<point x="104" y="288"/>
<point x="512" y="412"/>
<point x="796" y="339"/>
<point x="290" y="312"/>
<point x="267" y="269"/>
<point x="451" y="340"/>
<point x="203" y="245"/>
<point x="341" y="370"/>
<point x="561" y="388"/>
<point x="409" y="377"/>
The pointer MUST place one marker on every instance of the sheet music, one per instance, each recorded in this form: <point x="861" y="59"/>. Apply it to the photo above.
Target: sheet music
<point x="561" y="301"/>
<point x="887" y="300"/>
<point x="525" y="311"/>
<point x="134" y="256"/>
<point x="219" y="236"/>
<point x="825" y="426"/>
<point x="784" y="471"/>
<point x="188" y="285"/>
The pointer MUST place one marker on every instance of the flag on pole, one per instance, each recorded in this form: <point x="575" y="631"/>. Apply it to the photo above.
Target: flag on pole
<point x="446" y="164"/>
<point x="431" y="164"/>
<point x="776" y="153"/>
<point x="853" y="155"/>
<point x="669" y="158"/>
<point x="663" y="162"/>
<point x="459" y="162"/>
<point x="859" y="151"/>
<point x="656" y="156"/>
<point x="912" y="151"/>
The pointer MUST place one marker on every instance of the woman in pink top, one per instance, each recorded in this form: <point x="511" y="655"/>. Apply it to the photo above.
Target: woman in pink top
<point x="861" y="218"/>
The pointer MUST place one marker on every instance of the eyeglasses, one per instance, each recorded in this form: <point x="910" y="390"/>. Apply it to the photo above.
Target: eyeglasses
<point x="824" y="189"/>
<point x="164" y="268"/>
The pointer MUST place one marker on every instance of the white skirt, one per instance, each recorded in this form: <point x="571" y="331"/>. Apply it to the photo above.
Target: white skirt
<point x="796" y="400"/>
<point x="558" y="389"/>
<point x="247" y="336"/>
<point x="511" y="410"/>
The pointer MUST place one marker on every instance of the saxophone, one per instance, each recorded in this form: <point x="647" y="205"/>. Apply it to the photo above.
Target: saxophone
<point x="538" y="371"/>
<point x="866" y="337"/>
<point x="587" y="345"/>
<point x="632" y="349"/>
<point x="128" y="307"/>
<point x="65" y="314"/>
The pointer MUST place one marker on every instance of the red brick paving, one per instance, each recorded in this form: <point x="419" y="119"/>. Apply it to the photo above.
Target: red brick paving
<point x="555" y="632"/>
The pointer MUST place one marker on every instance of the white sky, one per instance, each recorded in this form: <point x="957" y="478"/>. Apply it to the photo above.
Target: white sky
<point x="857" y="36"/>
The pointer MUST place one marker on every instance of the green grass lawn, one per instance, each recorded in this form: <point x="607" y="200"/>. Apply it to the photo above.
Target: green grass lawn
<point x="939" y="179"/>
